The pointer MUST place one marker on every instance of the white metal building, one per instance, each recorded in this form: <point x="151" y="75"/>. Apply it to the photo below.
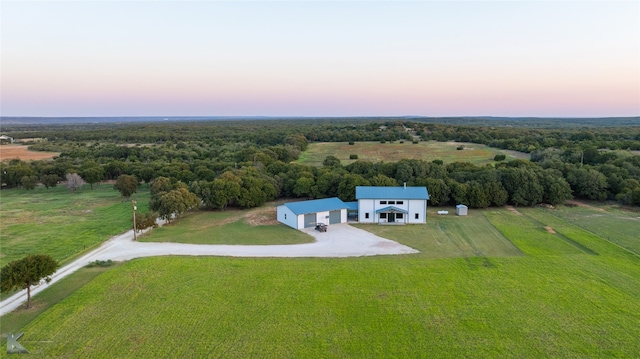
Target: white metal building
<point x="306" y="214"/>
<point x="392" y="204"/>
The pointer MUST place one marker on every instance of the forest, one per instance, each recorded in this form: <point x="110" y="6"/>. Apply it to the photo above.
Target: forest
<point x="218" y="164"/>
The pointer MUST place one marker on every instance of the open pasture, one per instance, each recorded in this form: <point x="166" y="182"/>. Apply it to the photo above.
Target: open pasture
<point x="10" y="152"/>
<point x="556" y="300"/>
<point x="396" y="151"/>
<point x="60" y="223"/>
<point x="256" y="226"/>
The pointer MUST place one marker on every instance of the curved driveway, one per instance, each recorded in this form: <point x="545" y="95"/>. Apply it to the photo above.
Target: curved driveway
<point x="341" y="240"/>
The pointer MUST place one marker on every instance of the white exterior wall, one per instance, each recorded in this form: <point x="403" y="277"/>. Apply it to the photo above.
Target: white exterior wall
<point x="291" y="219"/>
<point x="297" y="222"/>
<point x="366" y="206"/>
<point x="418" y="206"/>
<point x="412" y="206"/>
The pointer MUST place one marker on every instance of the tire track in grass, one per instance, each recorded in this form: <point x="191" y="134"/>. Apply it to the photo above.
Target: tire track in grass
<point x="604" y="238"/>
<point x="558" y="233"/>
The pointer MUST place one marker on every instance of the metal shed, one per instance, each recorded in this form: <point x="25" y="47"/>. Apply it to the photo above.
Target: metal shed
<point x="461" y="210"/>
<point x="305" y="214"/>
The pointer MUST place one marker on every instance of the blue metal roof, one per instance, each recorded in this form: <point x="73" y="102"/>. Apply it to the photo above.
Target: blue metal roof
<point x="372" y="192"/>
<point x="352" y="206"/>
<point x="316" y="205"/>
<point x="391" y="209"/>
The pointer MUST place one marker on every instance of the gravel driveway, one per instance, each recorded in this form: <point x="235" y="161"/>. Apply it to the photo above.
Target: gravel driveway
<point x="341" y="240"/>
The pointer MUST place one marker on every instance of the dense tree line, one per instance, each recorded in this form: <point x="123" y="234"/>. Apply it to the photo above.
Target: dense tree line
<point x="246" y="163"/>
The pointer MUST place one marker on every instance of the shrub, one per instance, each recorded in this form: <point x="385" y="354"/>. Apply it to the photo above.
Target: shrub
<point x="99" y="263"/>
<point x="353" y="157"/>
<point x="351" y="143"/>
<point x="499" y="158"/>
<point x="383" y="141"/>
<point x="415" y="142"/>
<point x="460" y="148"/>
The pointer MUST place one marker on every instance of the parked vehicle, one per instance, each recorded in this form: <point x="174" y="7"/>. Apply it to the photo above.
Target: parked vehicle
<point x="321" y="227"/>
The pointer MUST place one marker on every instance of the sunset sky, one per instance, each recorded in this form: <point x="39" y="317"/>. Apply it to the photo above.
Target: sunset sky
<point x="324" y="58"/>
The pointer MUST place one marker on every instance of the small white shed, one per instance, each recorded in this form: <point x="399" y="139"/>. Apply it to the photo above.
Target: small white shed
<point x="461" y="210"/>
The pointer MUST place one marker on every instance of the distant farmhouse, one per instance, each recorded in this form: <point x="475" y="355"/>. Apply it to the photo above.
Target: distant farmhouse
<point x="6" y="139"/>
<point x="384" y="205"/>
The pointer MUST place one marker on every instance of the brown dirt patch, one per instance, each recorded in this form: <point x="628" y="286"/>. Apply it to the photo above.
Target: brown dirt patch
<point x="10" y="152"/>
<point x="262" y="216"/>
<point x="550" y="230"/>
<point x="582" y="204"/>
<point x="514" y="210"/>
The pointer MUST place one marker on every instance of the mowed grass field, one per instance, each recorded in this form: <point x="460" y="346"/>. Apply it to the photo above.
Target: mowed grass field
<point x="510" y="289"/>
<point x="256" y="226"/>
<point x="396" y="151"/>
<point x="60" y="223"/>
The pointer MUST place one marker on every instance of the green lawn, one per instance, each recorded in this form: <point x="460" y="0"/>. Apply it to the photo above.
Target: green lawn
<point x="228" y="227"/>
<point x="12" y="322"/>
<point x="391" y="152"/>
<point x="614" y="224"/>
<point x="61" y="223"/>
<point x="557" y="300"/>
<point x="450" y="236"/>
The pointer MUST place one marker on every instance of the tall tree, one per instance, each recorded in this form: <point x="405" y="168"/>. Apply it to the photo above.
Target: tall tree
<point x="27" y="272"/>
<point x="92" y="174"/>
<point x="127" y="185"/>
<point x="588" y="183"/>
<point x="174" y="203"/>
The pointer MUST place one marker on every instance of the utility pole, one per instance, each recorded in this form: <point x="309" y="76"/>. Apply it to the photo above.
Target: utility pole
<point x="133" y="205"/>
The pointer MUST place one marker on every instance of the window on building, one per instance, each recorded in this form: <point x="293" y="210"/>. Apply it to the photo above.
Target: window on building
<point x="285" y="216"/>
<point x="366" y="215"/>
<point x="399" y="202"/>
<point x="417" y="216"/>
<point x="398" y="215"/>
<point x="383" y="202"/>
<point x="392" y="202"/>
<point x="383" y="215"/>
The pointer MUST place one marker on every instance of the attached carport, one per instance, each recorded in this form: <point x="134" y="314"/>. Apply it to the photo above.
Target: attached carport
<point x="306" y="214"/>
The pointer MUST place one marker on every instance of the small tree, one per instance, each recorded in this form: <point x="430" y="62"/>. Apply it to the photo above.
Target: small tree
<point x="74" y="181"/>
<point x="331" y="161"/>
<point x="29" y="182"/>
<point x="146" y="220"/>
<point x="499" y="158"/>
<point x="49" y="180"/>
<point x="127" y="185"/>
<point x="27" y="272"/>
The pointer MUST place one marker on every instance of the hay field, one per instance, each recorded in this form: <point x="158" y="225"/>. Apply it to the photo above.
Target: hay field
<point x="10" y="152"/>
<point x="396" y="151"/>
